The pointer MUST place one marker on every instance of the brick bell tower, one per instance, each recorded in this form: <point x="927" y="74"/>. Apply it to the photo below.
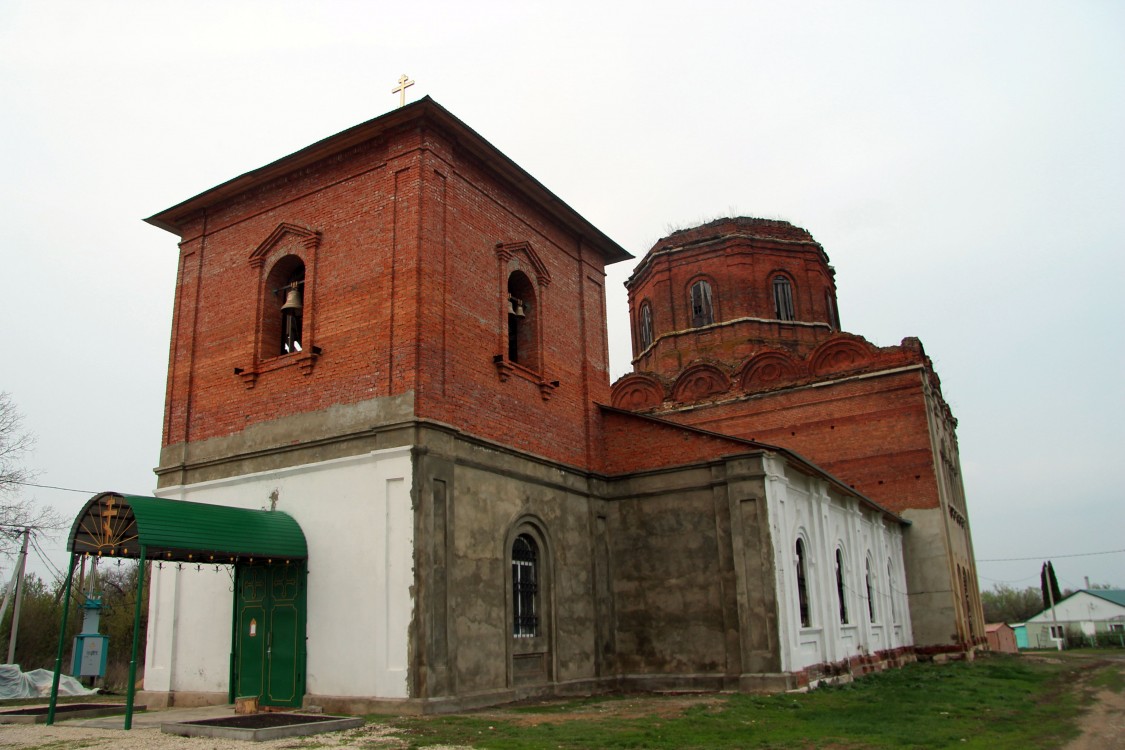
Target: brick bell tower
<point x="736" y="330"/>
<point x="392" y="323"/>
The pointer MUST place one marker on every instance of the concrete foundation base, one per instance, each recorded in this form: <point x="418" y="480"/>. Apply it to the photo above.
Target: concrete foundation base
<point x="316" y="725"/>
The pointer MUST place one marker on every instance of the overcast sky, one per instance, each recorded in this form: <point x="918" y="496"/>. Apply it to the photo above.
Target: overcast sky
<point x="963" y="165"/>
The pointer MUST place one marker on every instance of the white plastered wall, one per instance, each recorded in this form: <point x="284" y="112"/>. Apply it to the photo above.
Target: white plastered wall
<point x="806" y="507"/>
<point x="359" y="526"/>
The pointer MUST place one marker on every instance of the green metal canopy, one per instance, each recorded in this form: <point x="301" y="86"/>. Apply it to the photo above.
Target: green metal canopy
<point x="115" y="525"/>
<point x="153" y="528"/>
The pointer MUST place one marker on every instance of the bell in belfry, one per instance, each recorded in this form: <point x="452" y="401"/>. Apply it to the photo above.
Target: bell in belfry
<point x="293" y="299"/>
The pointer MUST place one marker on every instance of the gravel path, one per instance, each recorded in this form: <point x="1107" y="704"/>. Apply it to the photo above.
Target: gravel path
<point x="66" y="736"/>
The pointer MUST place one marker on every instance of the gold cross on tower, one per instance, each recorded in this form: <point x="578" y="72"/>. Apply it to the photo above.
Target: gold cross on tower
<point x="400" y="89"/>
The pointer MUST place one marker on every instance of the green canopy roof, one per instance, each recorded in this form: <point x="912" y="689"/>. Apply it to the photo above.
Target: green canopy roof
<point x="115" y="525"/>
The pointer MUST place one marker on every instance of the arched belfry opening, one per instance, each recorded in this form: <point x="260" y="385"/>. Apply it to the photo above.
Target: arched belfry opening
<point x="268" y="552"/>
<point x="523" y="321"/>
<point x="283" y="324"/>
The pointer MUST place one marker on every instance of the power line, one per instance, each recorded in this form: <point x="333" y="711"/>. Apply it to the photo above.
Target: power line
<point x="1006" y="580"/>
<point x="45" y="559"/>
<point x="1053" y="557"/>
<point x="52" y="487"/>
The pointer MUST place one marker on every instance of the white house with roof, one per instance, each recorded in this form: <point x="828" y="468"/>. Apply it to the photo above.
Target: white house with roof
<point x="1090" y="613"/>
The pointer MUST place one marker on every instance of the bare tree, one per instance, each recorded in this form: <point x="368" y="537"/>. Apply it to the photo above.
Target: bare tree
<point x="16" y="509"/>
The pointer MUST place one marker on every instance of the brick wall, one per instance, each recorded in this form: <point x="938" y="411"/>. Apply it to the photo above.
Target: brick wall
<point x="871" y="433"/>
<point x="633" y="443"/>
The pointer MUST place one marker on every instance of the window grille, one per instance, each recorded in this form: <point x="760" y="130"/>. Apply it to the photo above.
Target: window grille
<point x="783" y="298"/>
<point x="525" y="587"/>
<point x="701" y="308"/>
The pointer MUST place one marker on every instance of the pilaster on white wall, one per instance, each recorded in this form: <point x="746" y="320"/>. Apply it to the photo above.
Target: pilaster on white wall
<point x="783" y="527"/>
<point x="160" y="644"/>
<point x="358" y="522"/>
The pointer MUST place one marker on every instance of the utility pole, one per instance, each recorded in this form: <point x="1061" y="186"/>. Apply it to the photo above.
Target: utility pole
<point x="1050" y="584"/>
<point x="19" y="596"/>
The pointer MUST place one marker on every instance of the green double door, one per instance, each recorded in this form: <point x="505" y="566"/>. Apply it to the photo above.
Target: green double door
<point x="269" y="638"/>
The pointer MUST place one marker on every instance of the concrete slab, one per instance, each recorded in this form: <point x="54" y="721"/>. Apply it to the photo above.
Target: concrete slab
<point x="38" y="714"/>
<point x="316" y="724"/>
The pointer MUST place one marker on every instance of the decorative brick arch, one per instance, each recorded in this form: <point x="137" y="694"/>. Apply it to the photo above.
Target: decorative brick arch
<point x="769" y="369"/>
<point x="637" y="392"/>
<point x="306" y="239"/>
<point x="840" y="355"/>
<point x="698" y="382"/>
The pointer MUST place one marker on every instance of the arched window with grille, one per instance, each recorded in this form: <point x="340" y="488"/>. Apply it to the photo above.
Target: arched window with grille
<point x="783" y="298"/>
<point x="525" y="587"/>
<point x="803" y="586"/>
<point x="702" y="312"/>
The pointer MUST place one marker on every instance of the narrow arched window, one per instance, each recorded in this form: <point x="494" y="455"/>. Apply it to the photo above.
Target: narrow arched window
<point x="841" y="593"/>
<point x="523" y="342"/>
<point x="783" y="298"/>
<point x="870" y="592"/>
<point x="802" y="586"/>
<point x="891" y="594"/>
<point x="525" y="587"/>
<point x="646" y="326"/>
<point x="701" y="304"/>
<point x="968" y="601"/>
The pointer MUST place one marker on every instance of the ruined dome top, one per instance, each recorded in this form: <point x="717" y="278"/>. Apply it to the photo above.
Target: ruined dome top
<point x="747" y="225"/>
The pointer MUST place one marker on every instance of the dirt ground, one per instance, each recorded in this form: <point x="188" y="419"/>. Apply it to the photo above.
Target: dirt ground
<point x="1103" y="726"/>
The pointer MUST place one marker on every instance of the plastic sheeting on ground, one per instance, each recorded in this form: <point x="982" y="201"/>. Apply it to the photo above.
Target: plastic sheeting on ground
<point x="15" y="683"/>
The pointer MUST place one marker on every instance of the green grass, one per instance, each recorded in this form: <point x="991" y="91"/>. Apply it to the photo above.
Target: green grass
<point x="1109" y="679"/>
<point x="996" y="703"/>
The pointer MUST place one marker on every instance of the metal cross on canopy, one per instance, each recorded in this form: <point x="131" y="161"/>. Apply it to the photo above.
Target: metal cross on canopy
<point x="400" y="89"/>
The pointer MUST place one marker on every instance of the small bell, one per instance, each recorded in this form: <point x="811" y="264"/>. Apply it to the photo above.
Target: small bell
<point x="517" y="307"/>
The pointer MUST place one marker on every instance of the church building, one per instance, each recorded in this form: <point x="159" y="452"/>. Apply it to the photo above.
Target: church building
<point x="396" y="337"/>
